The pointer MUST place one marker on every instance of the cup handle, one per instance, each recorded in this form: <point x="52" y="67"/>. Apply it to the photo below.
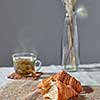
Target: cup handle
<point x="38" y="63"/>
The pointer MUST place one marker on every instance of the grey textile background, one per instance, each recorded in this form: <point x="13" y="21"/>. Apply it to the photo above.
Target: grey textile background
<point x="37" y="26"/>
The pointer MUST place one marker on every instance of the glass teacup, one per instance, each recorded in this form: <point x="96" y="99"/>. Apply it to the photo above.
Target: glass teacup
<point x="25" y="63"/>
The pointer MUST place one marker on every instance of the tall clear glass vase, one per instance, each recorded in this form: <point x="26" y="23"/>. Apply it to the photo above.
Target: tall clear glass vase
<point x="70" y="45"/>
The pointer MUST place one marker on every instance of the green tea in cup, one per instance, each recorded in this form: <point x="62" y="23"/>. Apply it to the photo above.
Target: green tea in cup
<point x="25" y="63"/>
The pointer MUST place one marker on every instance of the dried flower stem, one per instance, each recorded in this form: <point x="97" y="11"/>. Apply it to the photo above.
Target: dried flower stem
<point x="71" y="44"/>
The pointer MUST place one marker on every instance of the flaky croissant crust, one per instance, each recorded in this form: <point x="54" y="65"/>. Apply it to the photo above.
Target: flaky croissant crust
<point x="67" y="85"/>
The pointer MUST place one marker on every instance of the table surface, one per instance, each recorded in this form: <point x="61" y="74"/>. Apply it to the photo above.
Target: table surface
<point x="86" y="77"/>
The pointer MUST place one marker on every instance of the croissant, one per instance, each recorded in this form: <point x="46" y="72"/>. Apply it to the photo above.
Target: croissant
<point x="65" y="78"/>
<point x="60" y="86"/>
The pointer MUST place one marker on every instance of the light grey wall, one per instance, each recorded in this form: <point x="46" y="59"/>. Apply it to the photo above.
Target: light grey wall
<point x="31" y="25"/>
<point x="89" y="32"/>
<point x="37" y="26"/>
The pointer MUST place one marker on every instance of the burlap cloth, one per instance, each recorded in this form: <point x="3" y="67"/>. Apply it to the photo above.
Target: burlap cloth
<point x="19" y="89"/>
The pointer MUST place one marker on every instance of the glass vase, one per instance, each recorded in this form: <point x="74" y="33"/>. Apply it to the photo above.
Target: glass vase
<point x="70" y="44"/>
